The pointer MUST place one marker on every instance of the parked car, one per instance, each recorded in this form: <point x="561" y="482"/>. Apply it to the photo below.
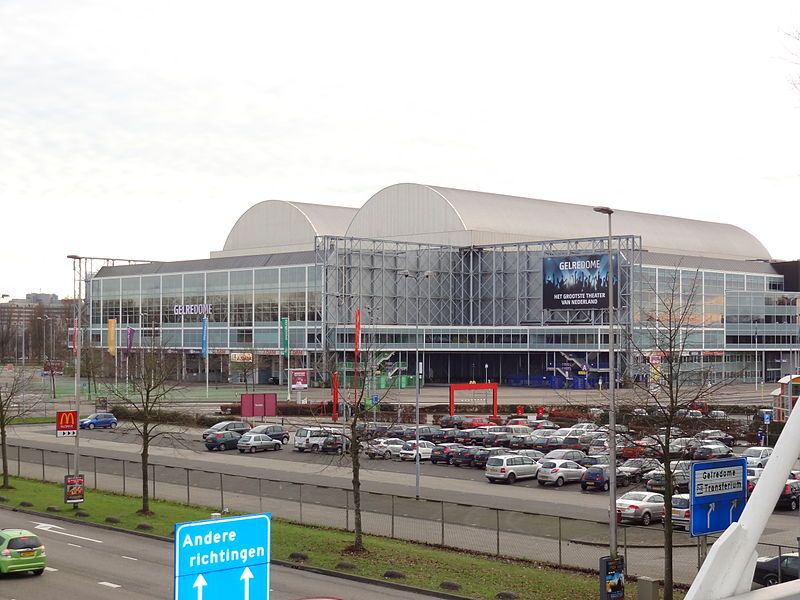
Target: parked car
<point x="446" y="435"/>
<point x="222" y="440"/>
<point x="757" y="456"/>
<point x="276" y="432"/>
<point x="518" y="421"/>
<point x="767" y="572"/>
<point x="310" y="438"/>
<point x="597" y="477"/>
<point x="473" y="422"/>
<point x="716" y="435"/>
<point x="712" y="451"/>
<point x="718" y="414"/>
<point x="484" y="454"/>
<point x="450" y="421"/>
<point x="694" y="414"/>
<point x="584" y="427"/>
<point x="445" y="452"/>
<point x="409" y="451"/>
<point x="386" y="448"/>
<point x="559" y="471"/>
<point x="518" y="442"/>
<point x="425" y="432"/>
<point x="239" y="427"/>
<point x="552" y="443"/>
<point x="572" y="442"/>
<point x="643" y="507"/>
<point x="565" y="454"/>
<point x="691" y="447"/>
<point x="681" y="477"/>
<point x="253" y="442"/>
<point x="635" y="468"/>
<point x="790" y="495"/>
<point x="97" y="420"/>
<point x="497" y="438"/>
<point x="537" y="424"/>
<point x="587" y="438"/>
<point x="510" y="468"/>
<point x="681" y="513"/>
<point x="534" y="454"/>
<point x="465" y="456"/>
<point x="540" y="441"/>
<point x="597" y="459"/>
<point x="21" y="551"/>
<point x="337" y="444"/>
<point x="471" y="437"/>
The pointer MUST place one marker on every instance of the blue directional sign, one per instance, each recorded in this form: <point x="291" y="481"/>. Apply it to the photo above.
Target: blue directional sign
<point x="767" y="418"/>
<point x="223" y="558"/>
<point x="718" y="494"/>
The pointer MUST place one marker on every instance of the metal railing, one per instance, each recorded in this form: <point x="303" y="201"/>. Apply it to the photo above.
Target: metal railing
<point x="561" y="541"/>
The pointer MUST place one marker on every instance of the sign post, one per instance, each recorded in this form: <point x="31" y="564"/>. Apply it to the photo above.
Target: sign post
<point x="223" y="558"/>
<point x="718" y="493"/>
<point x="66" y="423"/>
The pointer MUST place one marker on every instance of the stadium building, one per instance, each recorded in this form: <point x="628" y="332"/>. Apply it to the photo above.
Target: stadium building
<point x="489" y="286"/>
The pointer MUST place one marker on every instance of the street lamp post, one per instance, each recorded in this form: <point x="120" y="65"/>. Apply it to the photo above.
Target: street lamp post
<point x="44" y="319"/>
<point x="77" y="272"/>
<point x="612" y="386"/>
<point x="416" y="276"/>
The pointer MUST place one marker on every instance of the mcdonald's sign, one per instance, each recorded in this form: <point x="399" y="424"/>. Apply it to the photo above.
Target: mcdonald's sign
<point x="66" y="423"/>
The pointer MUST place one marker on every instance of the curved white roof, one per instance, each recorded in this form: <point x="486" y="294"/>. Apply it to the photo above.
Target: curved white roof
<point x="280" y="226"/>
<point x="434" y="214"/>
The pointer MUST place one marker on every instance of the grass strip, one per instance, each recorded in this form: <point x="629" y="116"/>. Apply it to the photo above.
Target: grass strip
<point x="31" y="420"/>
<point x="424" y="566"/>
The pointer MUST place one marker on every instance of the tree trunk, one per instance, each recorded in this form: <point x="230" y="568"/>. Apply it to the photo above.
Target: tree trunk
<point x="145" y="459"/>
<point x="358" y="541"/>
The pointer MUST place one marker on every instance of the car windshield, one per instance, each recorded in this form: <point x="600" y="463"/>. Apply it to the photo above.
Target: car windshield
<point x="248" y="438"/>
<point x="494" y="462"/>
<point x="548" y="464"/>
<point x="27" y="541"/>
<point x="755" y="452"/>
<point x="93" y="416"/>
<point x="218" y="426"/>
<point x="634" y="496"/>
<point x="678" y="502"/>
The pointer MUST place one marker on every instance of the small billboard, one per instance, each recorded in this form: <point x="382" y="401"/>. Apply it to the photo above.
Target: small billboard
<point x="576" y="282"/>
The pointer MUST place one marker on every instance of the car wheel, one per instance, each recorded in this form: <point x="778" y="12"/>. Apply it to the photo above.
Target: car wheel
<point x="91" y="425"/>
<point x="605" y="486"/>
<point x="286" y="439"/>
<point x="584" y="486"/>
<point x="241" y="451"/>
<point x="560" y="482"/>
<point x="38" y="572"/>
<point x="540" y="482"/>
<point x="114" y="425"/>
<point x="646" y="519"/>
<point x="449" y="461"/>
<point x="340" y="450"/>
<point x="315" y="448"/>
<point x="387" y="455"/>
<point x="253" y="450"/>
<point x="434" y="462"/>
<point x="793" y="504"/>
<point x="276" y="447"/>
<point x="403" y="458"/>
<point x="222" y="447"/>
<point x="771" y="579"/>
<point x="511" y="478"/>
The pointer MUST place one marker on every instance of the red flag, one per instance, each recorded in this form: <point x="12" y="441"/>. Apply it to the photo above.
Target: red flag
<point x="357" y="347"/>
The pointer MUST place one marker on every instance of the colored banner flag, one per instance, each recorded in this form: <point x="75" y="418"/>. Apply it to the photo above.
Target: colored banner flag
<point x="357" y="343"/>
<point x="112" y="337"/>
<point x="285" y="336"/>
<point x="204" y="339"/>
<point x="129" y="341"/>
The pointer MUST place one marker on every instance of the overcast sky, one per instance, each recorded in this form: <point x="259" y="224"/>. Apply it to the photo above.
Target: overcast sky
<point x="145" y="129"/>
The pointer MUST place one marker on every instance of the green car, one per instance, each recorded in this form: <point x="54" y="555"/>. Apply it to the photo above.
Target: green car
<point x="20" y="550"/>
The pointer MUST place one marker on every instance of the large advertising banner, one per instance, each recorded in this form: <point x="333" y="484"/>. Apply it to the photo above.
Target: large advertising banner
<point x="576" y="282"/>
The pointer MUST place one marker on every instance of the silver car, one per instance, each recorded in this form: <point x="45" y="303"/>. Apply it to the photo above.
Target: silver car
<point x="559" y="472"/>
<point x="644" y="507"/>
<point x="510" y="467"/>
<point x="252" y="442"/>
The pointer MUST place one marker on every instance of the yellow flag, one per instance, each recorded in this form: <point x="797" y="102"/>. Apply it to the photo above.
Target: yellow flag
<point x="112" y="337"/>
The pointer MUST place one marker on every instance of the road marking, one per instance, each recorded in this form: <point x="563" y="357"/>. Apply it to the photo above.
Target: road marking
<point x="49" y="527"/>
<point x="129" y="557"/>
<point x="107" y="584"/>
<point x="51" y="569"/>
<point x="73" y="545"/>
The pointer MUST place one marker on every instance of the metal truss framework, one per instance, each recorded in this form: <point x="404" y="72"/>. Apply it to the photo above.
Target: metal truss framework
<point x="486" y="286"/>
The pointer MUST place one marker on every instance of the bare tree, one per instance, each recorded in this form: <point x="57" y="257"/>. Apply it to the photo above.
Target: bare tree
<point x="246" y="371"/>
<point x="150" y="384"/>
<point x="13" y="385"/>
<point x="670" y="328"/>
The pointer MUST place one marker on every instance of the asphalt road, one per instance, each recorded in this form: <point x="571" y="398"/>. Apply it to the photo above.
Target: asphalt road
<point x="91" y="563"/>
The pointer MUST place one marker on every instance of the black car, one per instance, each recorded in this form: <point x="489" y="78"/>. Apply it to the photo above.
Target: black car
<point x="767" y="572"/>
<point x="396" y="431"/>
<point x="425" y="432"/>
<point x="519" y="442"/>
<point x="790" y="495"/>
<point x="448" y="421"/>
<point x="239" y="427"/>
<point x="276" y="432"/>
<point x="483" y="454"/>
<point x="465" y="456"/>
<point x="497" y="438"/>
<point x="445" y="436"/>
<point x="657" y="482"/>
<point x="222" y="440"/>
<point x="443" y="453"/>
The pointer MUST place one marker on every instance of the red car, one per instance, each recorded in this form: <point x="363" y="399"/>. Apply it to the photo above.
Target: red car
<point x="473" y="422"/>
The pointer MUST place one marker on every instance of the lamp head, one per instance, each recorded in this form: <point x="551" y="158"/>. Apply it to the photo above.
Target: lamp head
<point x="73" y="256"/>
<point x="603" y="209"/>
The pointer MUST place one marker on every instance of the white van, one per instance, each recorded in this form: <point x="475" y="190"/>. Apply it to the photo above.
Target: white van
<point x="310" y="438"/>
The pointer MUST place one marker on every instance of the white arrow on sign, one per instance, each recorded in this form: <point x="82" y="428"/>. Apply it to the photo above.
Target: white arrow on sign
<point x="49" y="527"/>
<point x="247" y="575"/>
<point x="710" y="510"/>
<point x="734" y="504"/>
<point x="200" y="583"/>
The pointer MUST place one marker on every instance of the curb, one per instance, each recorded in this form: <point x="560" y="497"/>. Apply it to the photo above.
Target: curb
<point x="600" y="544"/>
<point x="282" y="563"/>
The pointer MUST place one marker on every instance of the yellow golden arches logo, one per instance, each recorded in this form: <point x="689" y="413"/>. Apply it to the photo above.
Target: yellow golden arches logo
<point x="66" y="418"/>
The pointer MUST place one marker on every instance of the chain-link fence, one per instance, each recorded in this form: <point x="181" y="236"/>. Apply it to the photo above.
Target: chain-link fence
<point x="510" y="533"/>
